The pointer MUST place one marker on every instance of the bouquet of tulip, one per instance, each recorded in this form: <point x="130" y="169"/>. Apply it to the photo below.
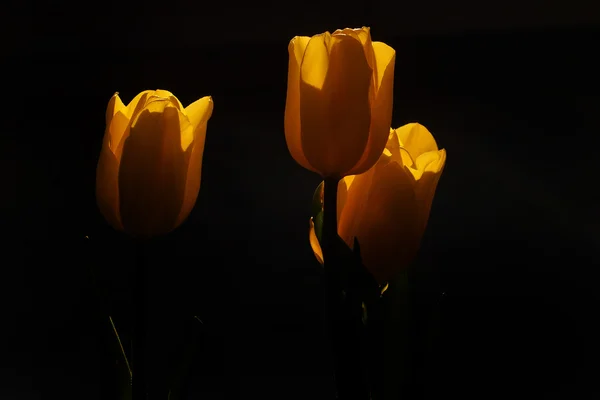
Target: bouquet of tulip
<point x="368" y="214"/>
<point x="337" y="124"/>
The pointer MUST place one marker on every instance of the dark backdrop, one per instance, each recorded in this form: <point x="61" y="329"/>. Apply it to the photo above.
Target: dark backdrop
<point x="504" y="289"/>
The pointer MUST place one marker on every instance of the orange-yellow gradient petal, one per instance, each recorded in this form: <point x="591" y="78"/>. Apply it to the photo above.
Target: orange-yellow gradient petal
<point x="292" y="124"/>
<point x="114" y="106"/>
<point x="200" y="111"/>
<point x="381" y="107"/>
<point x="363" y="35"/>
<point x="335" y="78"/>
<point x="107" y="184"/>
<point x="417" y="139"/>
<point x="107" y="190"/>
<point x="356" y="201"/>
<point x="138" y="102"/>
<point x="121" y="121"/>
<point x="152" y="174"/>
<point x="314" y="242"/>
<point x="426" y="186"/>
<point x="388" y="222"/>
<point x="116" y="122"/>
<point x="198" y="114"/>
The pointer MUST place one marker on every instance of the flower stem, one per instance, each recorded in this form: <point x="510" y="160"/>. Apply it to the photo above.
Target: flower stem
<point x="343" y="309"/>
<point x="139" y="352"/>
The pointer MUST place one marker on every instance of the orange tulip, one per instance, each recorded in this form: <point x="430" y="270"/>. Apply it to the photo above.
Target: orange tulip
<point x="148" y="174"/>
<point x="387" y="207"/>
<point x="339" y="101"/>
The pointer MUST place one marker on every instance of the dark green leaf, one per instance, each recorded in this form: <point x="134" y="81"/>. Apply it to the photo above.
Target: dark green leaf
<point x="317" y="201"/>
<point x="318" y="222"/>
<point x="122" y="368"/>
<point x="364" y="313"/>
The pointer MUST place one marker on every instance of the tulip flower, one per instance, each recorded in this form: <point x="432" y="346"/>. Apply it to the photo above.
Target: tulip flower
<point x="148" y="174"/>
<point x="387" y="207"/>
<point x="339" y="101"/>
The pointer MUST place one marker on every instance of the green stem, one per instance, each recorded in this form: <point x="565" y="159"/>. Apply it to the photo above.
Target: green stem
<point x="343" y="308"/>
<point x="139" y="353"/>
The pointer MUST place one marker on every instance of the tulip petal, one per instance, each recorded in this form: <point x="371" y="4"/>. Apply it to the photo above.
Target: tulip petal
<point x="107" y="186"/>
<point x="119" y="130"/>
<point x="388" y="225"/>
<point x="163" y="93"/>
<point x="153" y="169"/>
<point x="107" y="170"/>
<point x="137" y="103"/>
<point x="385" y="61"/>
<point x="363" y="35"/>
<point x="381" y="108"/>
<point x="406" y="159"/>
<point x="314" y="242"/>
<point x="342" y="196"/>
<point x="356" y="200"/>
<point x="293" y="132"/>
<point x="117" y="123"/>
<point x="198" y="113"/>
<point x="393" y="144"/>
<point x="348" y="181"/>
<point x="335" y="111"/>
<point x="315" y="61"/>
<point x="114" y="106"/>
<point x="167" y="94"/>
<point x="417" y="139"/>
<point x="426" y="185"/>
<point x="428" y="161"/>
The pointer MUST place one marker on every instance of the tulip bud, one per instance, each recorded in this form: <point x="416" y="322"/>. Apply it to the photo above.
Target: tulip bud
<point x="339" y="101"/>
<point x="387" y="207"/>
<point x="148" y="174"/>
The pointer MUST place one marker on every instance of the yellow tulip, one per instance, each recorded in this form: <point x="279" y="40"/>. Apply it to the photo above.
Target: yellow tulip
<point x="387" y="207"/>
<point x="339" y="101"/>
<point x="148" y="174"/>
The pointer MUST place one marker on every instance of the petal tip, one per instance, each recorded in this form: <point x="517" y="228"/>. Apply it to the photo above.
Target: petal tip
<point x="115" y="104"/>
<point x="442" y="153"/>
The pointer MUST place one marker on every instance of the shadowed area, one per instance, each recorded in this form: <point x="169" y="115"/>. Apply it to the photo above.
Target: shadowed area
<point x="503" y="291"/>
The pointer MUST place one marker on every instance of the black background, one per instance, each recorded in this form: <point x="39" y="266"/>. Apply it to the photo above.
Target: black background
<point x="504" y="290"/>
